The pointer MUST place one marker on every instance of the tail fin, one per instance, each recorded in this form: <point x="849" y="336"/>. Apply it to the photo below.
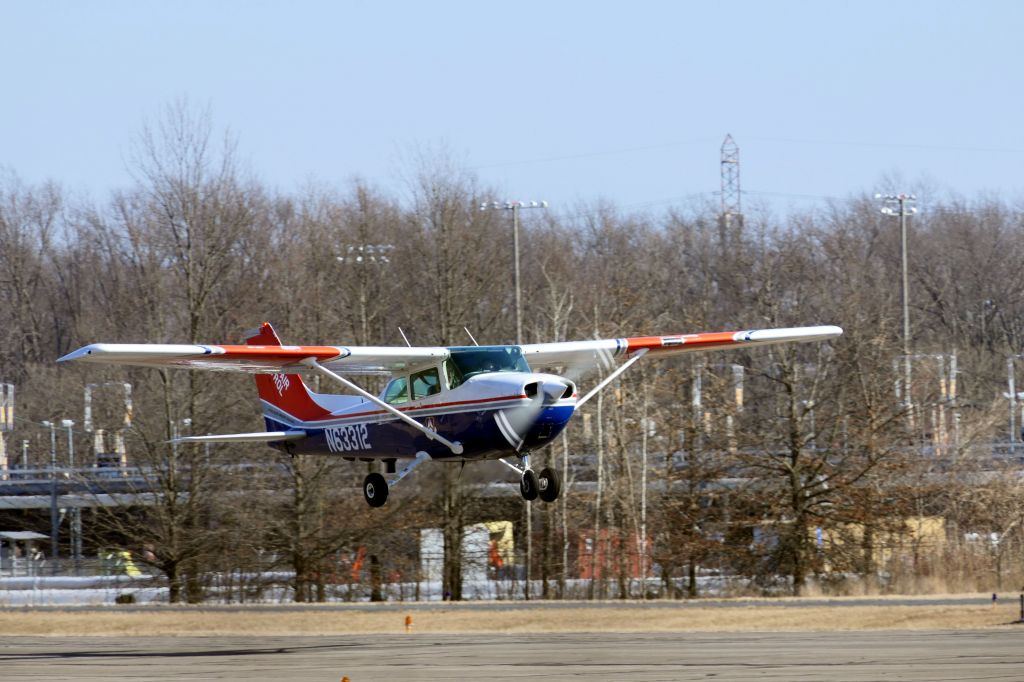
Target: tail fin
<point x="285" y="392"/>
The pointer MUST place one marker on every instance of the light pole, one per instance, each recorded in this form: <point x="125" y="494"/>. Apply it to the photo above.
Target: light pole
<point x="515" y="207"/>
<point x="896" y="205"/>
<point x="67" y="424"/>
<point x="54" y="514"/>
<point x="75" y="513"/>
<point x="6" y="407"/>
<point x="365" y="255"/>
<point x="6" y="424"/>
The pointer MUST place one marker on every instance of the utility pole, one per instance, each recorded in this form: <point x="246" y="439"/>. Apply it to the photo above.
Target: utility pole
<point x="897" y="205"/>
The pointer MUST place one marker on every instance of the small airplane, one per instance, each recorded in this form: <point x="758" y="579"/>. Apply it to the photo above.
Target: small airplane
<point x="462" y="403"/>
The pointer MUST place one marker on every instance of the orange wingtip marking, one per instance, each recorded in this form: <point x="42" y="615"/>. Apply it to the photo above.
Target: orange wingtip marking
<point x="655" y="343"/>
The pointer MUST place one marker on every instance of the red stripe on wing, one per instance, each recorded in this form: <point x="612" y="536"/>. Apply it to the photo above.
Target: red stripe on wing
<point x="277" y="355"/>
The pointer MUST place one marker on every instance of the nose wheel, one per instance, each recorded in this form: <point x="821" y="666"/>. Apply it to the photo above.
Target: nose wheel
<point x="529" y="486"/>
<point x="545" y="485"/>
<point x="549" y="485"/>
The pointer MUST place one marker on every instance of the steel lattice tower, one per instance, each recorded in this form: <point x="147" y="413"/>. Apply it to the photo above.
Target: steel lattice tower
<point x="732" y="211"/>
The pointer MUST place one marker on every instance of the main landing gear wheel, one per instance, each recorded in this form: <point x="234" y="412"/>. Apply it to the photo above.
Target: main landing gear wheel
<point x="549" y="485"/>
<point x="528" y="485"/>
<point x="375" y="490"/>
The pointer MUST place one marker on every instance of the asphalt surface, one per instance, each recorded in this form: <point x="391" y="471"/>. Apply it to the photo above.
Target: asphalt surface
<point x="970" y="655"/>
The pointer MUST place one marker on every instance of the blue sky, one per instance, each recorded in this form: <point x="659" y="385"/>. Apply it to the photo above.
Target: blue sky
<point x="564" y="101"/>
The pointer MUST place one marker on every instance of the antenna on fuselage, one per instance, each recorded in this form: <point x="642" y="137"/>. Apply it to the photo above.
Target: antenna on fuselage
<point x="471" y="336"/>
<point x="404" y="337"/>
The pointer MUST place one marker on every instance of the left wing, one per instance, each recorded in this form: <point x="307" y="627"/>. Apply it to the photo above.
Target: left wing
<point x="589" y="354"/>
<point x="260" y="359"/>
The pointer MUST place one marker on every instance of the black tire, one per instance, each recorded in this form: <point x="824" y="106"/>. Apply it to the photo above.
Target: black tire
<point x="549" y="485"/>
<point x="375" y="490"/>
<point x="528" y="486"/>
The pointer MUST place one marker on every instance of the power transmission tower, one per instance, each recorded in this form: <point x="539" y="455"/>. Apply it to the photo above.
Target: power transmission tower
<point x="732" y="211"/>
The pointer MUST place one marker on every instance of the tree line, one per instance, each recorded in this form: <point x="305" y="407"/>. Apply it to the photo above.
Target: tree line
<point x="786" y="468"/>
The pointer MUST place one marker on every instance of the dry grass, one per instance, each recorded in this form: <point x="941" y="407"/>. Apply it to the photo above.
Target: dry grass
<point x="755" y="616"/>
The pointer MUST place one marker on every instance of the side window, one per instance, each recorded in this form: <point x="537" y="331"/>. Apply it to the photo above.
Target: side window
<point x="397" y="391"/>
<point x="427" y="382"/>
<point x="452" y="374"/>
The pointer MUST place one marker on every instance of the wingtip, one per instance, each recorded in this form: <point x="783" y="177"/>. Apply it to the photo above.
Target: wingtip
<point x="82" y="352"/>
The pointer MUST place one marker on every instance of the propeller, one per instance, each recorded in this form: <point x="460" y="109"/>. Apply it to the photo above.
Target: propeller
<point x="516" y="422"/>
<point x="587" y="363"/>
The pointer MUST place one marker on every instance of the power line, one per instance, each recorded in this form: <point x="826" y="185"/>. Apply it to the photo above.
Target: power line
<point x="893" y="145"/>
<point x="641" y="204"/>
<point x="792" y="195"/>
<point x="588" y="155"/>
<point x="785" y="140"/>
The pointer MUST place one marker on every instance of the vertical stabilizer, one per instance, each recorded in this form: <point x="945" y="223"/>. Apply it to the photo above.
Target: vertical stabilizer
<point x="287" y="392"/>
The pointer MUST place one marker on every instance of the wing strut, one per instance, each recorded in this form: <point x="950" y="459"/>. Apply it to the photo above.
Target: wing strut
<point x="455" y="447"/>
<point x="259" y="437"/>
<point x="611" y="377"/>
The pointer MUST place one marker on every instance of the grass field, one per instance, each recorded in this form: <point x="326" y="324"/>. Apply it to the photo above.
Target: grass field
<point x="754" y="615"/>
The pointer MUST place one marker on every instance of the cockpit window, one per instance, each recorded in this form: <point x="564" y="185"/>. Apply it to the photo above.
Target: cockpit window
<point x="472" y="360"/>
<point x="427" y="382"/>
<point x="397" y="391"/>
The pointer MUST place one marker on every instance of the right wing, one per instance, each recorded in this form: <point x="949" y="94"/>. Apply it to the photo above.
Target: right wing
<point x="585" y="355"/>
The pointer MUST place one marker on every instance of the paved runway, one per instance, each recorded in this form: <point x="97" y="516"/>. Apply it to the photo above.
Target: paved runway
<point x="968" y="655"/>
<point x="554" y="604"/>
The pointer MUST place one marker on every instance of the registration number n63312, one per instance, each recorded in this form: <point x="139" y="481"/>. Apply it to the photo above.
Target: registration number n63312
<point x="347" y="438"/>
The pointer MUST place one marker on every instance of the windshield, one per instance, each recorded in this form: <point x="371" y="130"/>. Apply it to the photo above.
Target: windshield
<point x="397" y="391"/>
<point x="480" y="360"/>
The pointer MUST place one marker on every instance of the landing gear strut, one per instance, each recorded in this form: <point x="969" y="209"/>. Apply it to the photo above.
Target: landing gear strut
<point x="375" y="486"/>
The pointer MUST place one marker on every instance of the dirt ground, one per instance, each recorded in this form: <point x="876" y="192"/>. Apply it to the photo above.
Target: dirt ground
<point x="751" y="616"/>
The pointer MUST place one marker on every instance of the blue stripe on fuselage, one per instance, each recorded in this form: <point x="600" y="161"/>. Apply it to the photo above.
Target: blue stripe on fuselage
<point x="476" y="430"/>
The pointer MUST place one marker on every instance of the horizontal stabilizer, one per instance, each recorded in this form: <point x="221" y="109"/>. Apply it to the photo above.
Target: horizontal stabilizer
<point x="258" y="437"/>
